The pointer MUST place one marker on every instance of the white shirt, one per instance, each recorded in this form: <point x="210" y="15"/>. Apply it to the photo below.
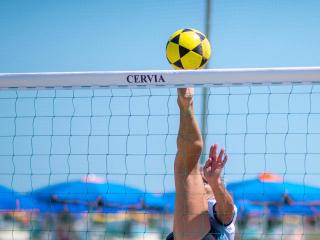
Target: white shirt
<point x="220" y="230"/>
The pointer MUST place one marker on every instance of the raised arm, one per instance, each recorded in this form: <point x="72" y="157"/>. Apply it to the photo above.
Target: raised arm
<point x="191" y="220"/>
<point x="212" y="171"/>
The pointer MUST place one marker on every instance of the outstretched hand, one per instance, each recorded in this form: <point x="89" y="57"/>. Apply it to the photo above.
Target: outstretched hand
<point x="185" y="98"/>
<point x="214" y="165"/>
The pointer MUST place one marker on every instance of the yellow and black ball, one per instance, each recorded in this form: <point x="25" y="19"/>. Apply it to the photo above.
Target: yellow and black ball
<point x="188" y="49"/>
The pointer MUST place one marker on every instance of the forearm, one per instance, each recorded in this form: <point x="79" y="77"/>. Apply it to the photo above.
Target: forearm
<point x="224" y="202"/>
<point x="189" y="132"/>
<point x="189" y="140"/>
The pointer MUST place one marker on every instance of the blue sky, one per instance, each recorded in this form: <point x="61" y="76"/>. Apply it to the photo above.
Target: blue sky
<point x="131" y="35"/>
<point x="126" y="35"/>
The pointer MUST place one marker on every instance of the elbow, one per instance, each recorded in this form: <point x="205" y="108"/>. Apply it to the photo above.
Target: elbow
<point x="195" y="146"/>
<point x="226" y="214"/>
<point x="229" y="216"/>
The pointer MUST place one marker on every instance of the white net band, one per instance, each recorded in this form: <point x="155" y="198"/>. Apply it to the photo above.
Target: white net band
<point x="169" y="78"/>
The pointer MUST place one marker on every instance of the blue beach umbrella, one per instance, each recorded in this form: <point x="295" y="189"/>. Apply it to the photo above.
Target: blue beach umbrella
<point x="13" y="201"/>
<point x="71" y="207"/>
<point x="294" y="209"/>
<point x="169" y="198"/>
<point x="248" y="209"/>
<point x="269" y="188"/>
<point x="154" y="201"/>
<point x="96" y="193"/>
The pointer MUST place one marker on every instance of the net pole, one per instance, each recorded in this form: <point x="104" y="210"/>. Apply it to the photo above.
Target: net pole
<point x="205" y="89"/>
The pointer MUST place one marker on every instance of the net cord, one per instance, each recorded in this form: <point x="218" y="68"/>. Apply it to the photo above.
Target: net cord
<point x="164" y="78"/>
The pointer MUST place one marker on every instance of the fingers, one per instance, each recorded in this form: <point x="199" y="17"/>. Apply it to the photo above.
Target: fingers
<point x="221" y="155"/>
<point x="181" y="91"/>
<point x="213" y="151"/>
<point x="185" y="92"/>
<point x="225" y="159"/>
<point x="208" y="163"/>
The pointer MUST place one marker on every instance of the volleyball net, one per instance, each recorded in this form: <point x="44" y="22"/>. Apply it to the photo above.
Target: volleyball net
<point x="122" y="127"/>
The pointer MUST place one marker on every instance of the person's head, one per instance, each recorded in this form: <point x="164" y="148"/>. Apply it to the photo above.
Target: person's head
<point x="207" y="187"/>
